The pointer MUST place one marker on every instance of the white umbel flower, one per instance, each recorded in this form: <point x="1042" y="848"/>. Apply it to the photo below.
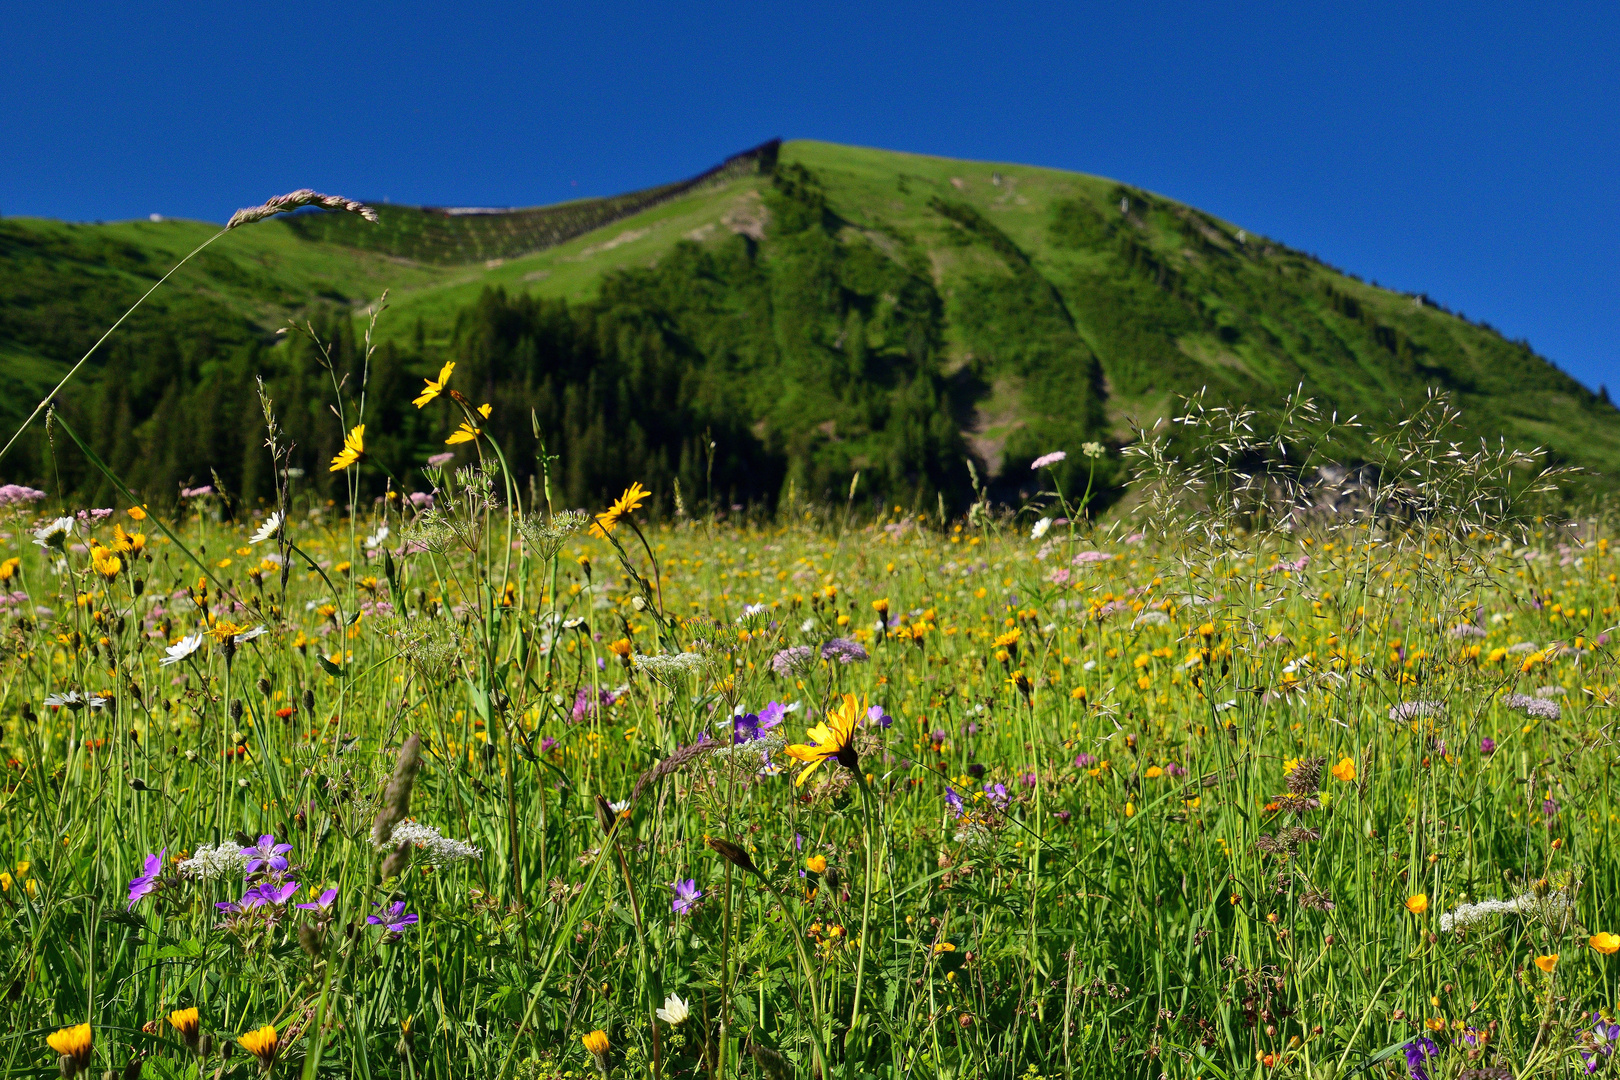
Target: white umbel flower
<point x="271" y="526"/>
<point x="182" y="649"/>
<point x="675" y="1011"/>
<point x="440" y="850"/>
<point x="215" y="860"/>
<point x="670" y="663"/>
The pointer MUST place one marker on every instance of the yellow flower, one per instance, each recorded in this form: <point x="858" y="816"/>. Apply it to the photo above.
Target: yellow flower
<point x="186" y="1022"/>
<point x="881" y="606"/>
<point x="72" y="1042"/>
<point x="816" y="864"/>
<point x="1345" y="770"/>
<point x="9" y="568"/>
<point x="262" y="1044"/>
<point x="106" y="563"/>
<point x="137" y="513"/>
<point x="466" y="432"/>
<point x="832" y="738"/>
<point x="1009" y="639"/>
<point x="944" y="946"/>
<point x="1547" y="963"/>
<point x="354" y="445"/>
<point x="596" y="1042"/>
<point x="621" y="649"/>
<point x="627" y="503"/>
<point x="1154" y="772"/>
<point x="1605" y="943"/>
<point x="434" y="387"/>
<point x="1418" y="903"/>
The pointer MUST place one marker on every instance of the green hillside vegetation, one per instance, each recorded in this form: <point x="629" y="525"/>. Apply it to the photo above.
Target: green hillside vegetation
<point x="768" y="328"/>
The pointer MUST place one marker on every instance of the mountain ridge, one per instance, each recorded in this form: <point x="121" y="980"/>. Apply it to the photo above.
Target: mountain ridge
<point x="914" y="310"/>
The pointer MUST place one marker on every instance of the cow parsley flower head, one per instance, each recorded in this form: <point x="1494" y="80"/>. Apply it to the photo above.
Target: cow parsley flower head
<point x="215" y="860"/>
<point x="670" y="663"/>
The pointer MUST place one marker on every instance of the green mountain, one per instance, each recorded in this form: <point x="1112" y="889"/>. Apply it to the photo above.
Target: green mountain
<point x="799" y="313"/>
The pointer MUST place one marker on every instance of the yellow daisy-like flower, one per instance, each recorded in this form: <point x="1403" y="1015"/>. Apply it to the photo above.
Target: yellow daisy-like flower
<point x="434" y="387"/>
<point x="262" y="1044"/>
<point x="596" y="1042"/>
<point x="72" y="1042"/>
<point x="628" y="503"/>
<point x="466" y="432"/>
<point x="106" y="563"/>
<point x="832" y="738"/>
<point x="354" y="445"/>
<point x="9" y="568"/>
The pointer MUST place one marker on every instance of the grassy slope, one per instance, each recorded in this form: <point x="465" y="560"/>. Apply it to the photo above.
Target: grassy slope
<point x="1166" y="298"/>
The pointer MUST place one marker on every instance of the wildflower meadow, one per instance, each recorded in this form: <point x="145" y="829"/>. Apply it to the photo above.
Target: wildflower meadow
<point x="1269" y="769"/>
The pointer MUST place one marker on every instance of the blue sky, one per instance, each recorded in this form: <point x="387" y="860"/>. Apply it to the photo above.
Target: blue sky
<point x="1468" y="151"/>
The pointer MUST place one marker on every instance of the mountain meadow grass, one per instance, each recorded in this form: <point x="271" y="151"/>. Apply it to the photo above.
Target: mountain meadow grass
<point x="1274" y="769"/>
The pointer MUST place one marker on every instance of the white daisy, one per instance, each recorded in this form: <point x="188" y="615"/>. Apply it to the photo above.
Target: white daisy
<point x="182" y="649"/>
<point x="675" y="1011"/>
<point x="271" y="526"/>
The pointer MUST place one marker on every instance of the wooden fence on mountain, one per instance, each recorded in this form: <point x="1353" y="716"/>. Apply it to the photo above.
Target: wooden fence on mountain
<point x="453" y="236"/>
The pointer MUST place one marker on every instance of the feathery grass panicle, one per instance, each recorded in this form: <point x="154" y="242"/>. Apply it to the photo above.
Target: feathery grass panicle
<point x="295" y="200"/>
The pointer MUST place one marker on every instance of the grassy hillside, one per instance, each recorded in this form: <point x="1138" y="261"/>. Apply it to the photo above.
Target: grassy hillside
<point x="849" y="310"/>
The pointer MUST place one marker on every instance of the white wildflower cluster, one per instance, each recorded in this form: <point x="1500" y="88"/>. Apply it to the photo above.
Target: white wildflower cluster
<point x="1467" y="915"/>
<point x="751" y="754"/>
<point x="215" y="861"/>
<point x="670" y="663"/>
<point x="1411" y="710"/>
<point x="1553" y="910"/>
<point x="440" y="849"/>
<point x="1538" y="707"/>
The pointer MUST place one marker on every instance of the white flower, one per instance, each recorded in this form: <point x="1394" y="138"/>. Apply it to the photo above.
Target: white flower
<point x="249" y="635"/>
<point x="181" y="649"/>
<point x="439" y="848"/>
<point x="1092" y="449"/>
<point x="619" y="807"/>
<point x="1040" y="528"/>
<point x="750" y="611"/>
<point x="807" y="626"/>
<point x="271" y="526"/>
<point x="75" y="700"/>
<point x="669" y="663"/>
<point x="376" y="538"/>
<point x="210" y="861"/>
<point x="675" y="1011"/>
<point x="55" y="534"/>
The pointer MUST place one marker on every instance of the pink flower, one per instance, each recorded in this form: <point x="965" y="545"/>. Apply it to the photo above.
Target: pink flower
<point x="1048" y="460"/>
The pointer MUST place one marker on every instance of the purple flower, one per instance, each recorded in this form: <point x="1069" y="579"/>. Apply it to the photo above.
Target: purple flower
<point x="789" y="660"/>
<point x="1416" y="1052"/>
<point x="196" y="492"/>
<point x="745" y="728"/>
<point x="953" y="800"/>
<point x="976" y="770"/>
<point x="1549" y="807"/>
<point x="147" y="883"/>
<point x="267" y="853"/>
<point x="1061" y="815"/>
<point x="1487" y="746"/>
<point x="1084" y="761"/>
<point x="441" y="459"/>
<point x="997" y="794"/>
<point x="844" y="651"/>
<point x="687" y="894"/>
<point x="1047" y="460"/>
<point x="270" y="894"/>
<point x="11" y="494"/>
<point x="394" y="919"/>
<point x="323" y="903"/>
<point x="876" y="715"/>
<point x="547" y="745"/>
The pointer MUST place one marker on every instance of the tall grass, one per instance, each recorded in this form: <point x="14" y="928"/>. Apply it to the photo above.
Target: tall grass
<point x="1197" y="795"/>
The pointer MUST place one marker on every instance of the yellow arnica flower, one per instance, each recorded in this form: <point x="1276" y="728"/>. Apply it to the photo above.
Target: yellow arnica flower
<point x="434" y="387"/>
<point x="1009" y="639"/>
<point x="832" y="738"/>
<point x="596" y="1042"/>
<point x="354" y="444"/>
<point x="1418" y="903"/>
<point x="1547" y="963"/>
<point x="262" y="1044"/>
<point x="628" y="503"/>
<point x="106" y="563"/>
<point x="1605" y="943"/>
<point x="1345" y="770"/>
<point x="72" y="1042"/>
<point x="9" y="568"/>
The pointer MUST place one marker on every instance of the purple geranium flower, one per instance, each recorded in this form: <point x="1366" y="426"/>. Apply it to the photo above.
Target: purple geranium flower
<point x="267" y="853"/>
<point x="270" y="894"/>
<point x="997" y="794"/>
<point x="147" y="883"/>
<point x="953" y="800"/>
<point x="687" y="894"/>
<point x="1417" y="1051"/>
<point x="876" y="715"/>
<point x="394" y="919"/>
<point x="323" y="903"/>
